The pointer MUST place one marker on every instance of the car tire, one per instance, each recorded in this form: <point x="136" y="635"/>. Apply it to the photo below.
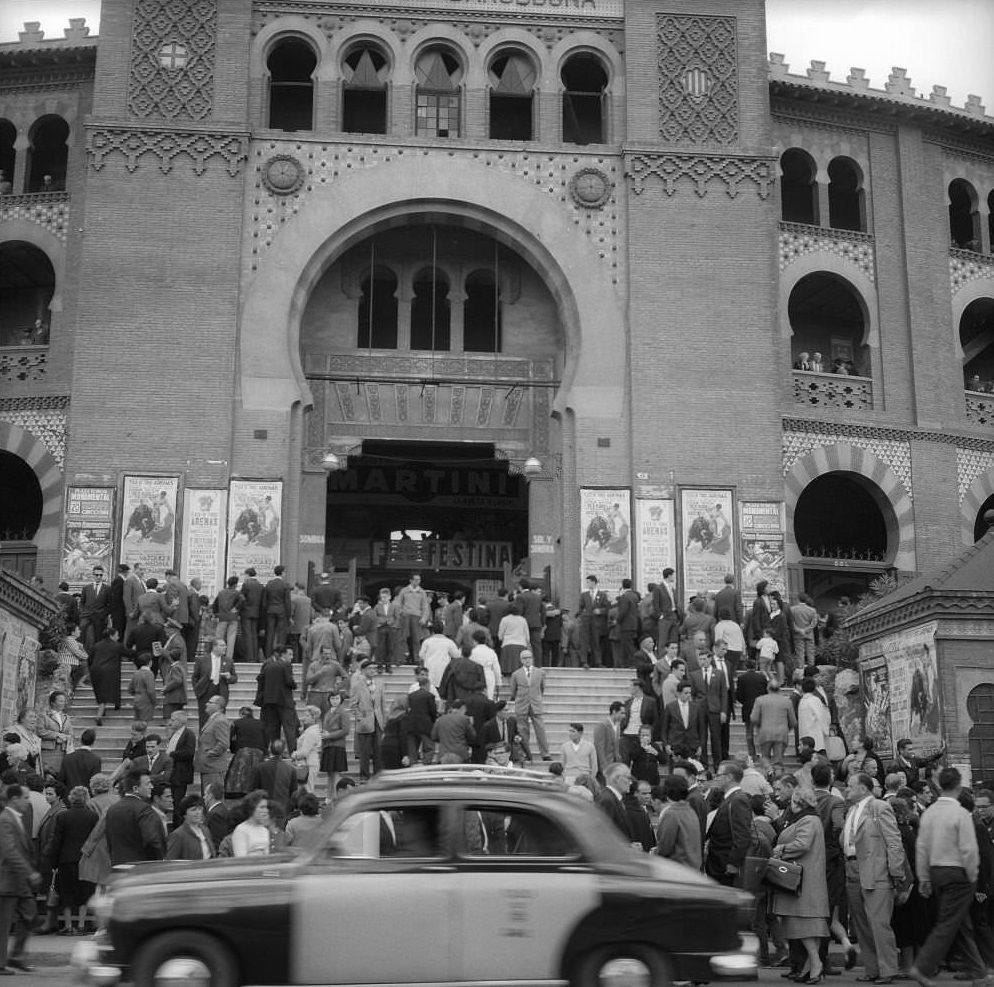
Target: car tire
<point x="209" y="962"/>
<point x="606" y="967"/>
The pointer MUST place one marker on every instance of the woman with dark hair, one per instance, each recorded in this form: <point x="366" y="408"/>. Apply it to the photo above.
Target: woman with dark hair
<point x="248" y="741"/>
<point x="393" y="744"/>
<point x="71" y="830"/>
<point x="782" y="626"/>
<point x="911" y="921"/>
<point x="334" y="733"/>
<point x="759" y="617"/>
<point x="305" y="830"/>
<point x="105" y="671"/>
<point x="56" y="731"/>
<point x="253" y="837"/>
<point x="73" y="656"/>
<point x="191" y="840"/>
<point x="514" y="637"/>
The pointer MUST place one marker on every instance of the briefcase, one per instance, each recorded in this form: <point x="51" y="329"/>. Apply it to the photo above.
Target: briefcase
<point x="753" y="873"/>
<point x="784" y="874"/>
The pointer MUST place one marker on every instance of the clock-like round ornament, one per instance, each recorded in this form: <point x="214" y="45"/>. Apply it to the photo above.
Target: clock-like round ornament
<point x="283" y="174"/>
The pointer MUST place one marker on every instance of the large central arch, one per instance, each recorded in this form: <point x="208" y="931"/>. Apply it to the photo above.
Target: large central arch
<point x="514" y="212"/>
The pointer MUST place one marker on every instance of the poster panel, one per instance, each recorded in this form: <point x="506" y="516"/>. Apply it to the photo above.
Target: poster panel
<point x="761" y="541"/>
<point x="655" y="540"/>
<point x="255" y="512"/>
<point x="706" y="517"/>
<point x="202" y="550"/>
<point x="87" y="534"/>
<point x="876" y="703"/>
<point x="8" y="683"/>
<point x="913" y="673"/>
<point x="606" y="537"/>
<point x="148" y="523"/>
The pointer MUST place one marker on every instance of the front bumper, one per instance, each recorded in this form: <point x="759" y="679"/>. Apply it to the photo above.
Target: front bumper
<point x="92" y="963"/>
<point x="740" y="964"/>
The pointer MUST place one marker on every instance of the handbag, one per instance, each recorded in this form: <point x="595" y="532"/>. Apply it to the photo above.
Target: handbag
<point x="835" y="748"/>
<point x="784" y="874"/>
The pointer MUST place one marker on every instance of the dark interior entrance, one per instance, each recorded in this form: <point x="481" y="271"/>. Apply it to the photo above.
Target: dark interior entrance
<point x="452" y="511"/>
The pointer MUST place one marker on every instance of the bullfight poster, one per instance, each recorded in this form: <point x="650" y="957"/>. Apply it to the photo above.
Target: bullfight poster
<point x="655" y="540"/>
<point x="606" y="536"/>
<point x="913" y="684"/>
<point x="148" y="523"/>
<point x="707" y="518"/>
<point x="761" y="537"/>
<point x="876" y="704"/>
<point x="254" y="523"/>
<point x="202" y="551"/>
<point x="87" y="534"/>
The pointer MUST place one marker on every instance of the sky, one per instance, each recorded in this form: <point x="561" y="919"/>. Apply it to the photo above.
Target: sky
<point x="939" y="42"/>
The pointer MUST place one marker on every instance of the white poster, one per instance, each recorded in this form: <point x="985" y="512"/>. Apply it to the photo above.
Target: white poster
<point x="148" y="523"/>
<point x="255" y="514"/>
<point x="202" y="551"/>
<point x="707" y="517"/>
<point x="761" y="534"/>
<point x="655" y="540"/>
<point x="913" y="673"/>
<point x="606" y="537"/>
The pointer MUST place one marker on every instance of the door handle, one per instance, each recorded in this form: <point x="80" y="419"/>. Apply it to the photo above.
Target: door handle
<point x="437" y="869"/>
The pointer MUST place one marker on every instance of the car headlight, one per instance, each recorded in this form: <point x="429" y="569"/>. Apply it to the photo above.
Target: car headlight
<point x="102" y="904"/>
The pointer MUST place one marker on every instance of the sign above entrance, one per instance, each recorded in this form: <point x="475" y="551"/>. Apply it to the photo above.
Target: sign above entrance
<point x="553" y="8"/>
<point x="405" y="553"/>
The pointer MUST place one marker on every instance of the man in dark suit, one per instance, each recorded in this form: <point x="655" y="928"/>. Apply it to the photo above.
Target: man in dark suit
<point x="19" y="880"/>
<point x="730" y="835"/>
<point x="79" y="766"/>
<point x="711" y="689"/>
<point x="639" y="711"/>
<point x="628" y="621"/>
<point x="666" y="610"/>
<point x="217" y="818"/>
<point x="461" y="679"/>
<point x="453" y="732"/>
<point x="181" y="746"/>
<point x="422" y="711"/>
<point x="607" y="743"/>
<point x="276" y="775"/>
<point x="481" y="711"/>
<point x="498" y="609"/>
<point x="134" y="587"/>
<point x="594" y="606"/>
<point x="728" y="598"/>
<point x="696" y="796"/>
<point x="94" y="606"/>
<point x="276" y="601"/>
<point x="751" y="684"/>
<point x="155" y="761"/>
<point x="503" y="729"/>
<point x="726" y="671"/>
<point x="133" y="830"/>
<point x="274" y="697"/>
<point x="212" y="675"/>
<point x="533" y="610"/>
<point x="248" y="617"/>
<point x="118" y="615"/>
<point x="610" y="799"/>
<point x="683" y="724"/>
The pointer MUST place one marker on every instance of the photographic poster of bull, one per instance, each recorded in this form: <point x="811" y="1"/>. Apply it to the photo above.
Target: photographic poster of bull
<point x="255" y="510"/>
<point x="88" y="534"/>
<point x="761" y="539"/>
<point x="707" y="517"/>
<point x="655" y="540"/>
<point x="605" y="530"/>
<point x="912" y="684"/>
<point x="202" y="551"/>
<point x="876" y="705"/>
<point x="148" y="523"/>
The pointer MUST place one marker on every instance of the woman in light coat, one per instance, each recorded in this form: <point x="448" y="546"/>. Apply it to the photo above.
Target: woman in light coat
<point x="804" y="916"/>
<point x="813" y="718"/>
<point x="56" y="731"/>
<point x="308" y="750"/>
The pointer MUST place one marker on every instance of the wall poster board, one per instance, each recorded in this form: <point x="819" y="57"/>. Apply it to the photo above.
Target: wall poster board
<point x="761" y="551"/>
<point x="707" y="530"/>
<point x="148" y="523"/>
<point x="606" y="536"/>
<point x="655" y="540"/>
<point x="202" y="551"/>
<point x="87" y="534"/>
<point x="255" y="515"/>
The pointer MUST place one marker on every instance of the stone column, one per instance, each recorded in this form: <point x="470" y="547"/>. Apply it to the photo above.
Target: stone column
<point x="19" y="178"/>
<point x="457" y="308"/>
<point x="824" y="213"/>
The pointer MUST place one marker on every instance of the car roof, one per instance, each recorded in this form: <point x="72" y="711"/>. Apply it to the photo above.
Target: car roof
<point x="472" y="778"/>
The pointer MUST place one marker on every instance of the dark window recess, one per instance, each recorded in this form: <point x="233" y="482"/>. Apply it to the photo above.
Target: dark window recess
<point x="364" y="98"/>
<point x="49" y="155"/>
<point x="584" y="82"/>
<point x="8" y="134"/>
<point x="964" y="226"/>
<point x="431" y="295"/>
<point x="845" y="197"/>
<point x="512" y="81"/>
<point x="291" y="86"/>
<point x="798" y="189"/>
<point x="378" y="312"/>
<point x="482" y="320"/>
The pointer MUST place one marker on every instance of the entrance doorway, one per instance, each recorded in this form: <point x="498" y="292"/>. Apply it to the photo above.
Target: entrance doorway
<point x="21" y="504"/>
<point x="452" y="511"/>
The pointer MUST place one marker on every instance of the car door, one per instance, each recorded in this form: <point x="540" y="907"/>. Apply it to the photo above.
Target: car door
<point x="521" y="886"/>
<point x="375" y="906"/>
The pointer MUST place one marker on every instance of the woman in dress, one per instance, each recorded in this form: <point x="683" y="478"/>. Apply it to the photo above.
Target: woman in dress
<point x="911" y="922"/>
<point x="142" y="688"/>
<point x="105" y="671"/>
<point x="804" y="916"/>
<point x="94" y="863"/>
<point x="252" y="838"/>
<point x="813" y="717"/>
<point x="56" y="731"/>
<point x="73" y="656"/>
<point x="191" y="840"/>
<point x="26" y="729"/>
<point x="308" y="752"/>
<point x="72" y="828"/>
<point x="514" y="637"/>
<point x="305" y="830"/>
<point x="334" y="733"/>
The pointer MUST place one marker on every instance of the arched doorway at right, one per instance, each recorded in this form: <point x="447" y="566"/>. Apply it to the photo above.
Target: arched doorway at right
<point x="21" y="505"/>
<point x="983" y="524"/>
<point x="846" y="532"/>
<point x="980" y="709"/>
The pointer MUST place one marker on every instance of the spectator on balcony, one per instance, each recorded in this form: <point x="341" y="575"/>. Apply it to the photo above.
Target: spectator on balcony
<point x="816" y="365"/>
<point x="842" y="367"/>
<point x="974" y="383"/>
<point x="803" y="362"/>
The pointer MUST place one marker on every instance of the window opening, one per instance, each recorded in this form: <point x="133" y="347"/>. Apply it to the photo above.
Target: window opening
<point x="378" y="308"/>
<point x="976" y="336"/>
<point x="27" y="284"/>
<point x="512" y="85"/>
<point x="291" y="86"/>
<point x="798" y="188"/>
<point x="584" y="84"/>
<point x="482" y="319"/>
<point x="964" y="225"/>
<point x="430" y="308"/>
<point x="438" y="98"/>
<point x="8" y="134"/>
<point x="845" y="197"/>
<point x="49" y="155"/>
<point x="364" y="98"/>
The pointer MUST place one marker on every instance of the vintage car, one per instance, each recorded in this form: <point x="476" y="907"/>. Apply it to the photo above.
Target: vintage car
<point x="443" y="875"/>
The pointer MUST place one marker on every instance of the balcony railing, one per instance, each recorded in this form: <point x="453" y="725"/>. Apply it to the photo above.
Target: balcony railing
<point x="23" y="363"/>
<point x="980" y="407"/>
<point x="819" y="390"/>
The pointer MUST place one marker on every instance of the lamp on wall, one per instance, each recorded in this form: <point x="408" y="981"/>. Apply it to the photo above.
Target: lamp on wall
<point x="333" y="463"/>
<point x="532" y="467"/>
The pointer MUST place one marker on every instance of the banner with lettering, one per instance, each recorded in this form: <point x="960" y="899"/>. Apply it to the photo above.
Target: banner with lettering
<point x="148" y="523"/>
<point x="761" y="540"/>
<point x="707" y="518"/>
<point x="87" y="534"/>
<point x="606" y="537"/>
<point x="255" y="513"/>
<point x="202" y="551"/>
<point x="655" y="540"/>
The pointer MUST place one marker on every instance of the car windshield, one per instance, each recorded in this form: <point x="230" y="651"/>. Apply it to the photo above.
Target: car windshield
<point x="392" y="831"/>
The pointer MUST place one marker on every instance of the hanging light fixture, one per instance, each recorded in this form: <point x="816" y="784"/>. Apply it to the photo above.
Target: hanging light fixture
<point x="532" y="466"/>
<point x="334" y="463"/>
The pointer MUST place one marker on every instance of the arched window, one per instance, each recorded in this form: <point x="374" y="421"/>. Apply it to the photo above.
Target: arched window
<point x="438" y="73"/>
<point x="845" y="196"/>
<point x="981" y="525"/>
<point x="964" y="220"/>
<point x="584" y="84"/>
<point x="8" y="134"/>
<point x="798" y="188"/>
<point x="842" y="515"/>
<point x="482" y="314"/>
<point x="976" y="336"/>
<point x="27" y="284"/>
<point x="48" y="155"/>
<point x="21" y="499"/>
<point x="990" y="220"/>
<point x="291" y="67"/>
<point x="364" y="94"/>
<point x="378" y="310"/>
<point x="512" y="92"/>
<point x="430" y="311"/>
<point x="828" y="323"/>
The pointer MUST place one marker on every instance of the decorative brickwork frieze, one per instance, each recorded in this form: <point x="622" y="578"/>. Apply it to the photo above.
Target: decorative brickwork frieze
<point x="44" y="417"/>
<point x="799" y="239"/>
<point x="966" y="266"/>
<point x="702" y="172"/>
<point x="47" y="209"/>
<point x="165" y="147"/>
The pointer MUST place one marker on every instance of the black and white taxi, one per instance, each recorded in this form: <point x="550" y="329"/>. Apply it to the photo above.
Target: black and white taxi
<point x="446" y="875"/>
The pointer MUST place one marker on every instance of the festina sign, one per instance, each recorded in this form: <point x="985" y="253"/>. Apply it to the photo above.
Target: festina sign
<point x="459" y="555"/>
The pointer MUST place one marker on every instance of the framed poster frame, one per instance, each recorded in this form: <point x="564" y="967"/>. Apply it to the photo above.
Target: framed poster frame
<point x="256" y="543"/>
<point x="655" y="539"/>
<point x="606" y="535"/>
<point x="147" y="529"/>
<point x="703" y="569"/>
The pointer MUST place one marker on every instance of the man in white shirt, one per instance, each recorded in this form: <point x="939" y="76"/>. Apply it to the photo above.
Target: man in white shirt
<point x="436" y="652"/>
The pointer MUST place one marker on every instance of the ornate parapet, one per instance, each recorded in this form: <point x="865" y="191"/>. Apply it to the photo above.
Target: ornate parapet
<point x="966" y="266"/>
<point x="813" y="390"/>
<point x="980" y="407"/>
<point x="23" y="363"/>
<point x="799" y="239"/>
<point x="701" y="172"/>
<point x="47" y="209"/>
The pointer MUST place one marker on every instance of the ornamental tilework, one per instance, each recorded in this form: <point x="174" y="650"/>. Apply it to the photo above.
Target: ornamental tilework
<point x="966" y="266"/>
<point x="698" y="79"/>
<point x="971" y="463"/>
<point x="48" y="209"/>
<point x="166" y="146"/>
<point x="44" y="418"/>
<point x="324" y="164"/>
<point x="701" y="172"/>
<point x="896" y="454"/>
<point x="796" y="240"/>
<point x="172" y="59"/>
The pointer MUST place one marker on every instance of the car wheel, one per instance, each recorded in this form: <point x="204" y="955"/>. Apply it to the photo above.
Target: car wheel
<point x="623" y="965"/>
<point x="184" y="959"/>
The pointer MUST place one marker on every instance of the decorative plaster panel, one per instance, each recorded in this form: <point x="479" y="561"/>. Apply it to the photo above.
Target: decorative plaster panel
<point x="970" y="463"/>
<point x="47" y="209"/>
<point x="166" y="146"/>
<point x="702" y="171"/>
<point x="966" y="266"/>
<point x="45" y="418"/>
<point x="798" y="239"/>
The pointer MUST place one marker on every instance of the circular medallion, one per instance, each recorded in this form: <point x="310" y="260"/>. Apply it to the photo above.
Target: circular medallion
<point x="590" y="188"/>
<point x="283" y="174"/>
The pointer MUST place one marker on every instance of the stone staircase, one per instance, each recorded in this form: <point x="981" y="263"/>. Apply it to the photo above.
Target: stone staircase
<point x="571" y="695"/>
